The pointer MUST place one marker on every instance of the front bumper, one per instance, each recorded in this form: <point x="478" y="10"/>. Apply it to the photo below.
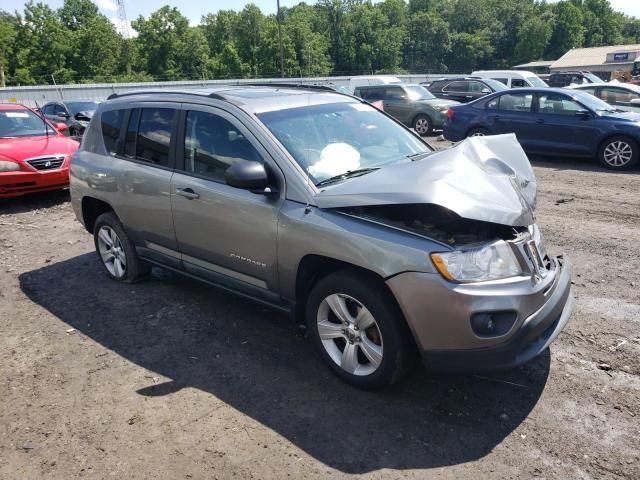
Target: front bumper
<point x="439" y="312"/>
<point x="14" y="184"/>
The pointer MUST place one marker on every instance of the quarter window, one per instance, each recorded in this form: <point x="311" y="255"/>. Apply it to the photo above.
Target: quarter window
<point x="212" y="144"/>
<point x="111" y="122"/>
<point x="515" y="102"/>
<point x="557" y="104"/>
<point x="154" y="135"/>
<point x="518" y="83"/>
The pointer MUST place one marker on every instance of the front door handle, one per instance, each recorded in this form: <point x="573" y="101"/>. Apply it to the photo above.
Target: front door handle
<point x="187" y="193"/>
<point x="540" y="121"/>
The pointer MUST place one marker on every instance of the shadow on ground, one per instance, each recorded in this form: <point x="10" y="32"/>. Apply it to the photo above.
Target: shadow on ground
<point x="256" y="361"/>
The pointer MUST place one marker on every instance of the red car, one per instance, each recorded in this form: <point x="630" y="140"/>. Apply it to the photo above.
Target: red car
<point x="34" y="153"/>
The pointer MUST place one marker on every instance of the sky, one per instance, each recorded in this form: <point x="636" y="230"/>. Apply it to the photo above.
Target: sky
<point x="194" y="9"/>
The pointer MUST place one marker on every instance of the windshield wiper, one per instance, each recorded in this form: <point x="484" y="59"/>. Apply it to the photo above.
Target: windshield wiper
<point x="419" y="155"/>
<point x="345" y="175"/>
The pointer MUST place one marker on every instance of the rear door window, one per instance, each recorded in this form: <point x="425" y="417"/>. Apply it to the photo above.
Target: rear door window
<point x="459" y="86"/>
<point x="150" y="141"/>
<point x="111" y="123"/>
<point x="516" y="102"/>
<point x="374" y="94"/>
<point x="618" y="96"/>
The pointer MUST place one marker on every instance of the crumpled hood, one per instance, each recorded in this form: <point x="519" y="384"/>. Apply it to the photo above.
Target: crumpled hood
<point x="19" y="149"/>
<point x="482" y="178"/>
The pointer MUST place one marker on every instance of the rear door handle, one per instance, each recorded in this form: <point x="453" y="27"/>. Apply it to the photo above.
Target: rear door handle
<point x="187" y="193"/>
<point x="540" y="120"/>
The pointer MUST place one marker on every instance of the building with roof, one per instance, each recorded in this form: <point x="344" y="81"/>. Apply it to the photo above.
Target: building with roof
<point x="600" y="60"/>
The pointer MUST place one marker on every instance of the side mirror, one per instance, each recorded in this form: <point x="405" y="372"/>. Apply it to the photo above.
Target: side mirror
<point x="251" y="176"/>
<point x="635" y="102"/>
<point x="62" y="115"/>
<point x="61" y="127"/>
<point x="485" y="90"/>
<point x="583" y="114"/>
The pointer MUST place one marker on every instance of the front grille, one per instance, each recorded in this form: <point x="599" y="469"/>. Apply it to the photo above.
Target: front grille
<point x="46" y="163"/>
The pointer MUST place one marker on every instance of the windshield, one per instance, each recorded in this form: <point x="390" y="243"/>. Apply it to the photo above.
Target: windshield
<point x="592" y="78"/>
<point x="22" y="123"/>
<point x="591" y="102"/>
<point x="333" y="139"/>
<point x="77" y="107"/>
<point x="495" y="84"/>
<point x="418" y="92"/>
<point x="537" y="82"/>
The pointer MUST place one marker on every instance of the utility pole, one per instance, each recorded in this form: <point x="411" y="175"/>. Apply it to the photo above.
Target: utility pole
<point x="280" y="39"/>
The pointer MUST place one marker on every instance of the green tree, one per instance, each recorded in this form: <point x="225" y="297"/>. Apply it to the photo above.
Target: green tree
<point x="45" y="44"/>
<point x="428" y="42"/>
<point x="568" y="31"/>
<point x="168" y="48"/>
<point x="533" y="38"/>
<point x="7" y="37"/>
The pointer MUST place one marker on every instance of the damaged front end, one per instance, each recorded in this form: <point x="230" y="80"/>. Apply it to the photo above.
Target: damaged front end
<point x="488" y="179"/>
<point x="476" y="199"/>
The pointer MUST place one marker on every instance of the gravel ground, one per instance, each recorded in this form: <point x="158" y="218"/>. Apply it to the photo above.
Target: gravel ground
<point x="172" y="379"/>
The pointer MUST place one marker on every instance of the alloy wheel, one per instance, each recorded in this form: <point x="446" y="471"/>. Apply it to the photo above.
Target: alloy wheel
<point x="350" y="334"/>
<point x="111" y="251"/>
<point x="422" y="126"/>
<point x="618" y="153"/>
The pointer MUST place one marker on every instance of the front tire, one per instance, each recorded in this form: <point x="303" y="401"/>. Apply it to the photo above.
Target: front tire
<point x="423" y="125"/>
<point x="116" y="251"/>
<point x="619" y="153"/>
<point x="478" y="132"/>
<point x="358" y="330"/>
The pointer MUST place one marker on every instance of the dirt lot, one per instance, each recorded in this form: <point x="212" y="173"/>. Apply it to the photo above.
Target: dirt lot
<point x="172" y="379"/>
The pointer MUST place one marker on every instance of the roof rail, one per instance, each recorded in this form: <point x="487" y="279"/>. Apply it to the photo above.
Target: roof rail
<point x="309" y="86"/>
<point x="171" y="92"/>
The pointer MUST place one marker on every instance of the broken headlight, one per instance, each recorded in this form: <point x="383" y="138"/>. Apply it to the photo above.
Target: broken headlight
<point x="478" y="264"/>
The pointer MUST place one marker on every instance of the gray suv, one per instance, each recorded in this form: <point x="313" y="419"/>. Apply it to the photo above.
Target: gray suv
<point x="413" y="105"/>
<point x="320" y="205"/>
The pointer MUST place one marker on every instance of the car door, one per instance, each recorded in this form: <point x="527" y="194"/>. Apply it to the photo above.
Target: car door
<point x="477" y="89"/>
<point x="564" y="126"/>
<point x="397" y="103"/>
<point x="511" y="112"/>
<point x="458" y="91"/>
<point x="226" y="234"/>
<point x="144" y="166"/>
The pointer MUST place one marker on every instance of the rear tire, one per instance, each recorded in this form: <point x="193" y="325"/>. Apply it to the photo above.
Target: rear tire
<point x="423" y="125"/>
<point x="619" y="153"/>
<point x="367" y="343"/>
<point x="478" y="132"/>
<point x="116" y="251"/>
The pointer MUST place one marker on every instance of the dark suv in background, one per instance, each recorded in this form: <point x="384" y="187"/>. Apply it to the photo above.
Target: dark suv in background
<point x="412" y="105"/>
<point x="464" y="89"/>
<point x="75" y="114"/>
<point x="565" y="79"/>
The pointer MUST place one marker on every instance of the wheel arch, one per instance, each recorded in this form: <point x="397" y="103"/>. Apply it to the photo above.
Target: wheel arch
<point x="312" y="268"/>
<point x="92" y="208"/>
<point x="476" y="127"/>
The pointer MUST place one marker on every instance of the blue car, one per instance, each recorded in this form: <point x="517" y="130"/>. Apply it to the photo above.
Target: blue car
<point x="552" y="121"/>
